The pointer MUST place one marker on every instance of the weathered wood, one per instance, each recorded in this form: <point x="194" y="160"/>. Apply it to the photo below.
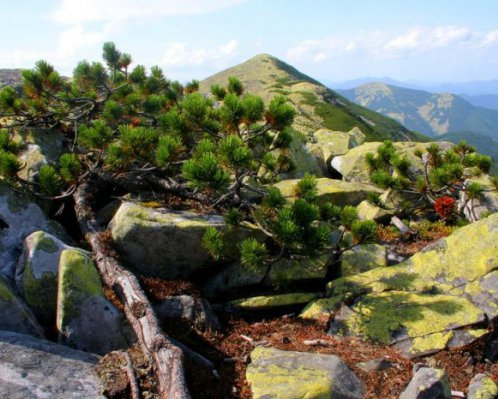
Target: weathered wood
<point x="134" y="389"/>
<point x="168" y="358"/>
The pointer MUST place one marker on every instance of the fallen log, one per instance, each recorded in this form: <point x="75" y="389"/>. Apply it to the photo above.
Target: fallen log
<point x="168" y="357"/>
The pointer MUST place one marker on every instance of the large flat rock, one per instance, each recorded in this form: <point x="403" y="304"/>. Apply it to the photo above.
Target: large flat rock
<point x="277" y="374"/>
<point x="38" y="369"/>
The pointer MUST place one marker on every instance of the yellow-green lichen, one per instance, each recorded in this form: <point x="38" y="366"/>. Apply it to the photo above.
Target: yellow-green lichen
<point x="78" y="280"/>
<point x="40" y="293"/>
<point x="321" y="308"/>
<point x="487" y="389"/>
<point x="261" y="302"/>
<point x="381" y="315"/>
<point x="284" y="381"/>
<point x="44" y="242"/>
<point x="466" y="255"/>
<point x="431" y="342"/>
<point x="6" y="293"/>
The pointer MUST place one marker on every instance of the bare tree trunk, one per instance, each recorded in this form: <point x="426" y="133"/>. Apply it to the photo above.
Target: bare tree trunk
<point x="168" y="358"/>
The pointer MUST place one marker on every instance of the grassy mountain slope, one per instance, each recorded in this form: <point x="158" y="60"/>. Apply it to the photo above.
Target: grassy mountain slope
<point x="317" y="106"/>
<point x="428" y="113"/>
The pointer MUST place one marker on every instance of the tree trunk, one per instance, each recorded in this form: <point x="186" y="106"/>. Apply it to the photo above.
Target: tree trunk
<point x="168" y="358"/>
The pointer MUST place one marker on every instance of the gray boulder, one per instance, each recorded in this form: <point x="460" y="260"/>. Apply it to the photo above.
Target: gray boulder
<point x="428" y="383"/>
<point x="86" y="320"/>
<point x="18" y="219"/>
<point x="168" y="244"/>
<point x="276" y="374"/>
<point x="39" y="369"/>
<point x="196" y="312"/>
<point x="14" y="314"/>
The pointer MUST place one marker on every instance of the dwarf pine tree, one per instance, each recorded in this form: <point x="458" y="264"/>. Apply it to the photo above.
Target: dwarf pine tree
<point x="439" y="184"/>
<point x="141" y="132"/>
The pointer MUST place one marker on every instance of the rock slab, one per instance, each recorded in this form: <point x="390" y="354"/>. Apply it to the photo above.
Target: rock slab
<point x="39" y="369"/>
<point x="276" y="374"/>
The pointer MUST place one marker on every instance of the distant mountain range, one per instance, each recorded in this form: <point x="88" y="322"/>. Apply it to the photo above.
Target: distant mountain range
<point x="442" y="115"/>
<point x="432" y="114"/>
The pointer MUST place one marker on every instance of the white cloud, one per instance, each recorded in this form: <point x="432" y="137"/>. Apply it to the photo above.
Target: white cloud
<point x="180" y="54"/>
<point x="76" y="11"/>
<point x="423" y="38"/>
<point x="17" y="58"/>
<point x="385" y="44"/>
<point x="74" y="38"/>
<point x="490" y="38"/>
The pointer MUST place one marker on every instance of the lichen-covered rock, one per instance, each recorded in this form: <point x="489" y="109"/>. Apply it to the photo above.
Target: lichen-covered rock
<point x="168" y="244"/>
<point x="272" y="301"/>
<point x="36" y="274"/>
<point x="276" y="374"/>
<point x="336" y="191"/>
<point x="321" y="308"/>
<point x="38" y="147"/>
<point x="435" y="299"/>
<point x="14" y="314"/>
<point x="368" y="211"/>
<point x="392" y="316"/>
<point x="40" y="369"/>
<point x="325" y="144"/>
<point x="353" y="166"/>
<point x="362" y="258"/>
<point x="86" y="320"/>
<point x="18" y="219"/>
<point x="285" y="271"/>
<point x="465" y="256"/>
<point x="482" y="387"/>
<point x="428" y="383"/>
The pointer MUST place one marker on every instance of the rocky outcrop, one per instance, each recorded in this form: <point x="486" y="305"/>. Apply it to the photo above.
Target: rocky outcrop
<point x="14" y="314"/>
<point x="335" y="191"/>
<point x="362" y="258"/>
<point x="18" y="219"/>
<point x="283" y="272"/>
<point x="428" y="383"/>
<point x="441" y="297"/>
<point x="168" y="244"/>
<point x="40" y="369"/>
<point x="86" y="320"/>
<point x="354" y="168"/>
<point x="277" y="374"/>
<point x="325" y="144"/>
<point x="39" y="147"/>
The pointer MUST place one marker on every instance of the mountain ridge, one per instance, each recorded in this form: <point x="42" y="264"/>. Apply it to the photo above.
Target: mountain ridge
<point x="317" y="105"/>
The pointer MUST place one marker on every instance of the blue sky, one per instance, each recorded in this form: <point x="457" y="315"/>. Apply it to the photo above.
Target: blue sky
<point x="423" y="40"/>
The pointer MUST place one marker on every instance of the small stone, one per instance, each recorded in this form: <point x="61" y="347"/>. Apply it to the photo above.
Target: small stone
<point x="482" y="387"/>
<point x="376" y="365"/>
<point x="428" y="383"/>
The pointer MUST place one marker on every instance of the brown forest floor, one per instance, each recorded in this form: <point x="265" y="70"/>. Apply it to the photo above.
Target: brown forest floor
<point x="230" y="352"/>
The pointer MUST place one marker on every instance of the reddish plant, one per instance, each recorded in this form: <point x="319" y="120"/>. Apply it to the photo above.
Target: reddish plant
<point x="444" y="206"/>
